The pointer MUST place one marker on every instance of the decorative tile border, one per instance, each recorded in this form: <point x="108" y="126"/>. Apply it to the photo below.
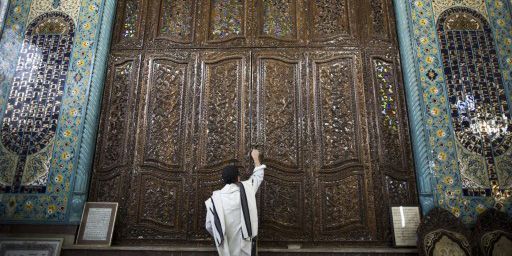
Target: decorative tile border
<point x="92" y="113"/>
<point x="425" y="177"/>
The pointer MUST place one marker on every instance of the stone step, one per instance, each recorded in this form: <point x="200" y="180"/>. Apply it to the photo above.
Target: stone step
<point x="77" y="250"/>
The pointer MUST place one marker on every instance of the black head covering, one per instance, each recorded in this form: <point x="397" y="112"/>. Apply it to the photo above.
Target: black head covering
<point x="230" y="174"/>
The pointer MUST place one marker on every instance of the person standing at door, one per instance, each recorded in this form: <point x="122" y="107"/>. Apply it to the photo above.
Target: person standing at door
<point x="231" y="213"/>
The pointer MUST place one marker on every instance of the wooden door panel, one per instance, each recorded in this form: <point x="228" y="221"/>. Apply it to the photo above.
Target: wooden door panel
<point x="157" y="209"/>
<point x="335" y="81"/>
<point x="225" y="23"/>
<point x="388" y="112"/>
<point x="171" y="23"/>
<point x="283" y="208"/>
<point x="122" y="80"/>
<point x="279" y="23"/>
<point x="314" y="84"/>
<point x="332" y="22"/>
<point x="130" y="19"/>
<point x="157" y="205"/>
<point x="164" y="111"/>
<point x="342" y="210"/>
<point x="380" y="25"/>
<point x="394" y="172"/>
<point x="114" y="140"/>
<point x="113" y="162"/>
<point x="223" y="108"/>
<point x="341" y="164"/>
<point x="222" y="127"/>
<point x="279" y="89"/>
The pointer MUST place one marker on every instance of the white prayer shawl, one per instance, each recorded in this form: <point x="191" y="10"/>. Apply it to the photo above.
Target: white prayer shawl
<point x="232" y="237"/>
<point x="253" y="211"/>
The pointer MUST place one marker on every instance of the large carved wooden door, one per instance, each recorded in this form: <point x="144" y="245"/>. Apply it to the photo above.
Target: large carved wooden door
<point x="343" y="179"/>
<point x="221" y="129"/>
<point x="193" y="85"/>
<point x="279" y="103"/>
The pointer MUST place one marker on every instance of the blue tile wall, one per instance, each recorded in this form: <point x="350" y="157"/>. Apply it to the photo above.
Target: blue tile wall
<point x="68" y="152"/>
<point x="451" y="172"/>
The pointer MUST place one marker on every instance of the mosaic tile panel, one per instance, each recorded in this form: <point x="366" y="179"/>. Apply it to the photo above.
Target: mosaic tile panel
<point x="479" y="108"/>
<point x="444" y="159"/>
<point x="131" y="16"/>
<point x="384" y="73"/>
<point x="34" y="102"/>
<point x="279" y="18"/>
<point x="59" y="201"/>
<point x="226" y="19"/>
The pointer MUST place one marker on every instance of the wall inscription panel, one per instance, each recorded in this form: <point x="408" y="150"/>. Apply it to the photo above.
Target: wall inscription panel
<point x="477" y="96"/>
<point x="33" y="106"/>
<point x="301" y="80"/>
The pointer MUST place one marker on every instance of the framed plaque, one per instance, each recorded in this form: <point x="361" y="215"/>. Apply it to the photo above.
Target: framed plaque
<point x="405" y="221"/>
<point x="97" y="225"/>
<point x="26" y="246"/>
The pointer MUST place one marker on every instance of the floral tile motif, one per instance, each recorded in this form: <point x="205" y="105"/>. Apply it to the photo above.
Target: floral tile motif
<point x="70" y="7"/>
<point x="440" y="6"/>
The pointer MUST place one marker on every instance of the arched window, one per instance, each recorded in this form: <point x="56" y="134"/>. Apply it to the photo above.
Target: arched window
<point x="479" y="108"/>
<point x="34" y="102"/>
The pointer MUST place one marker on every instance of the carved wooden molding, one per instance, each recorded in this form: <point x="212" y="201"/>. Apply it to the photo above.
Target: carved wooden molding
<point x="439" y="223"/>
<point x="491" y="225"/>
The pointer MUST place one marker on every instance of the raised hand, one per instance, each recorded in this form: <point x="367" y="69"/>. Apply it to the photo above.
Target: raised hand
<point x="256" y="157"/>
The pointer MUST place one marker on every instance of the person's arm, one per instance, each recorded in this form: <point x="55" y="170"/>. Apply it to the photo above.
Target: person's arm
<point x="259" y="170"/>
<point x="209" y="218"/>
